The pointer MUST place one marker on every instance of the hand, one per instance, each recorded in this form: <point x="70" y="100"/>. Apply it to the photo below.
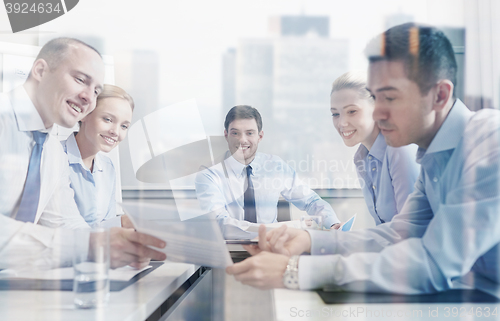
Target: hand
<point x="283" y="240"/>
<point x="335" y="226"/>
<point x="264" y="270"/>
<point x="128" y="247"/>
<point x="126" y="222"/>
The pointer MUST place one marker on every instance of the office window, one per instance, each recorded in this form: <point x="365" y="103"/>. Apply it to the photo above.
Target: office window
<point x="280" y="57"/>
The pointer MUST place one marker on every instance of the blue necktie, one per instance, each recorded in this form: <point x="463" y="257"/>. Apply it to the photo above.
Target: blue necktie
<point x="249" y="199"/>
<point x="31" y="193"/>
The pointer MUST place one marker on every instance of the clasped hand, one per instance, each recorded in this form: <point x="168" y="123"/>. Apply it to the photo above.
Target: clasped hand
<point x="267" y="265"/>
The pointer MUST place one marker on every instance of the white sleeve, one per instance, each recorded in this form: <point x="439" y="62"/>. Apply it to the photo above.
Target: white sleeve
<point x="58" y="203"/>
<point x="30" y="246"/>
<point x="61" y="210"/>
<point x="305" y="199"/>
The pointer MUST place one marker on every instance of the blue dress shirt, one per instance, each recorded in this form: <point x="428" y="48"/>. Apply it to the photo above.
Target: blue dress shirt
<point x="221" y="188"/>
<point x="449" y="226"/>
<point x="387" y="176"/>
<point x="94" y="191"/>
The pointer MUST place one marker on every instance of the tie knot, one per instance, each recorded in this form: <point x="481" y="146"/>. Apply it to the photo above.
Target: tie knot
<point x="249" y="170"/>
<point x="39" y="137"/>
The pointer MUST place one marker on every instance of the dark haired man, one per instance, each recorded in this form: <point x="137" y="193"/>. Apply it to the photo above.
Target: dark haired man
<point x="62" y="87"/>
<point x="449" y="226"/>
<point x="245" y="187"/>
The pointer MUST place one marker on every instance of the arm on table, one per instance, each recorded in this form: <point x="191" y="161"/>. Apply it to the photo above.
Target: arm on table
<point x="463" y="229"/>
<point x="305" y="199"/>
<point x="317" y="271"/>
<point x="264" y="269"/>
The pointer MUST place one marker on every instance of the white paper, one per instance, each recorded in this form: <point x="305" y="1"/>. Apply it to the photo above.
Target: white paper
<point x="272" y="226"/>
<point x="197" y="240"/>
<point x="121" y="274"/>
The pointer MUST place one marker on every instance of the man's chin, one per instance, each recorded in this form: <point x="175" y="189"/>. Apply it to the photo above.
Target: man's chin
<point x="238" y="155"/>
<point x="68" y="122"/>
<point x="249" y="157"/>
<point x="394" y="143"/>
<point x="66" y="125"/>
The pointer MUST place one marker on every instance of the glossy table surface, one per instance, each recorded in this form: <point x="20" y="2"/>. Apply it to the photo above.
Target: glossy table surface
<point x="136" y="302"/>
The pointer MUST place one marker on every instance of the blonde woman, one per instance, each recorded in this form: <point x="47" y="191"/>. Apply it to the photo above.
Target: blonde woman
<point x="92" y="173"/>
<point x="386" y="174"/>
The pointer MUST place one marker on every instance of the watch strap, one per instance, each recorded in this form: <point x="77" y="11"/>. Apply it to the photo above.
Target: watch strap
<point x="291" y="276"/>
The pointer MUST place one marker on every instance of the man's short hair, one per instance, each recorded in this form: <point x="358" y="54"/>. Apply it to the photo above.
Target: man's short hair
<point x="243" y="112"/>
<point x="56" y="50"/>
<point x="426" y="52"/>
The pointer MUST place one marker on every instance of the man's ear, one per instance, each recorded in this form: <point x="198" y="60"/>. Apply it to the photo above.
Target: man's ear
<point x="40" y="67"/>
<point x="225" y="134"/>
<point x="261" y="135"/>
<point x="443" y="94"/>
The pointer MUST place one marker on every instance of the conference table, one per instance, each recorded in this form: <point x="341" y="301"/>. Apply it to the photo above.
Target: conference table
<point x="179" y="291"/>
<point x="172" y="291"/>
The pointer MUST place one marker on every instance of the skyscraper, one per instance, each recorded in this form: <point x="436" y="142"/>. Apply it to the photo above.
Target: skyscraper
<point x="287" y="77"/>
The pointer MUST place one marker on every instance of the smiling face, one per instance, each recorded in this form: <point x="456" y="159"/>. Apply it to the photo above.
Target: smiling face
<point x="68" y="92"/>
<point x="403" y="115"/>
<point x="352" y="117"/>
<point x="105" y="127"/>
<point x="243" y="138"/>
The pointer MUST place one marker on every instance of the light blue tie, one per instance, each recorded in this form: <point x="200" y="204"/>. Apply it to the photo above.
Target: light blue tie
<point x="31" y="193"/>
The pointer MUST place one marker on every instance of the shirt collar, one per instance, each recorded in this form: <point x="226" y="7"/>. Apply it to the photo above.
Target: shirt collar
<point x="238" y="168"/>
<point x="27" y="117"/>
<point x="98" y="162"/>
<point x="74" y="156"/>
<point x="379" y="147"/>
<point x="451" y="131"/>
<point x="377" y="150"/>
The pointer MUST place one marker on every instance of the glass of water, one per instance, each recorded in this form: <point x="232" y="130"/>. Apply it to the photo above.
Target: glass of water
<point x="91" y="267"/>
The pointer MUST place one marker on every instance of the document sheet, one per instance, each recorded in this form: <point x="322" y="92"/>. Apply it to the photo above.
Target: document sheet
<point x="197" y="240"/>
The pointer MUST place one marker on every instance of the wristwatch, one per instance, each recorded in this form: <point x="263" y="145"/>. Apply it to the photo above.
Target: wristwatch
<point x="291" y="275"/>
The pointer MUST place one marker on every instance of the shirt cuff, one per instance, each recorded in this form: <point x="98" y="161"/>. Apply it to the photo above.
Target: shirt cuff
<point x="329" y="221"/>
<point x="315" y="272"/>
<point x="322" y="242"/>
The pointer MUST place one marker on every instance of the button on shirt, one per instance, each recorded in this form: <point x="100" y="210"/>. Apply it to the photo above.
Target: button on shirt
<point x="387" y="176"/>
<point x="24" y="243"/>
<point x="94" y="191"/>
<point x="449" y="226"/>
<point x="271" y="177"/>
